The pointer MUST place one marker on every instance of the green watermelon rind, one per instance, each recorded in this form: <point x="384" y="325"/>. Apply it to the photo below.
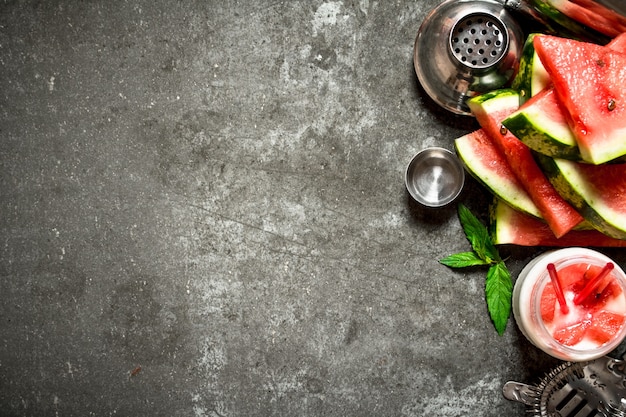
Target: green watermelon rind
<point x="567" y="180"/>
<point x="513" y="194"/>
<point x="507" y="226"/>
<point x="522" y="82"/>
<point x="565" y="25"/>
<point x="497" y="218"/>
<point x="542" y="134"/>
<point x="540" y="78"/>
<point x="532" y="76"/>
<point x="504" y="231"/>
<point x="495" y="100"/>
<point x="613" y="149"/>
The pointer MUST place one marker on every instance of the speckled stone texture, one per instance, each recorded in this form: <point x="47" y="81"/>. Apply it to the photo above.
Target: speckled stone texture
<point x="204" y="214"/>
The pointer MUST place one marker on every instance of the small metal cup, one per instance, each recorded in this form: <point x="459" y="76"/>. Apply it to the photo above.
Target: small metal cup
<point x="434" y="177"/>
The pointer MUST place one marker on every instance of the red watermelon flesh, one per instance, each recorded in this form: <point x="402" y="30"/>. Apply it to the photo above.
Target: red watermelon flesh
<point x="590" y="81"/>
<point x="558" y="213"/>
<point x="548" y="303"/>
<point x="596" y="17"/>
<point x="574" y="278"/>
<point x="607" y="290"/>
<point x="512" y="227"/>
<point x="604" y="326"/>
<point x="615" y="19"/>
<point x="618" y="43"/>
<point x="572" y="334"/>
<point x="608" y="183"/>
<point x="597" y="191"/>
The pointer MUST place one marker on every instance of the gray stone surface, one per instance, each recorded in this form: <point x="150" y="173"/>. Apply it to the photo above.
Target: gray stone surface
<point x="204" y="214"/>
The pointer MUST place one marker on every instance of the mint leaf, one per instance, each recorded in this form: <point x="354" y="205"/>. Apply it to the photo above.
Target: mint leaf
<point x="498" y="291"/>
<point x="462" y="260"/>
<point x="478" y="236"/>
<point x="498" y="285"/>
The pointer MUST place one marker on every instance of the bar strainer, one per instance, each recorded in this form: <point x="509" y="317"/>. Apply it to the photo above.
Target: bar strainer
<point x="465" y="48"/>
<point x="575" y="389"/>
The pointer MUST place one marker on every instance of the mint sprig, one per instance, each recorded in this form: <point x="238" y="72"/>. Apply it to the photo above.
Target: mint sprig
<point x="498" y="285"/>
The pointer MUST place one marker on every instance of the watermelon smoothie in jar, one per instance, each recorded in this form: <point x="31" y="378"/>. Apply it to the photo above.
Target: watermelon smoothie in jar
<point x="571" y="303"/>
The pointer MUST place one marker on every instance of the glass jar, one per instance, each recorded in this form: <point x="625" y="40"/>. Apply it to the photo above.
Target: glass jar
<point x="527" y="305"/>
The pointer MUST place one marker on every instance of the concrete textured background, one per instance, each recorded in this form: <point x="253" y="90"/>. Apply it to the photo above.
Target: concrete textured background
<point x="204" y="214"/>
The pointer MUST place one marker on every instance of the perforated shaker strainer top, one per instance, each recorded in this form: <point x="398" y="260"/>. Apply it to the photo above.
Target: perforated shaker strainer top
<point x="479" y="41"/>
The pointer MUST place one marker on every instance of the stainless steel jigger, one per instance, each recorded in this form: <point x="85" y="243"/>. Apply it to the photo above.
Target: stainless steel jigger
<point x="466" y="48"/>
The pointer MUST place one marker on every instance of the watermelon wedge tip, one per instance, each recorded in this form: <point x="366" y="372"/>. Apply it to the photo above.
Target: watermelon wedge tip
<point x="590" y="81"/>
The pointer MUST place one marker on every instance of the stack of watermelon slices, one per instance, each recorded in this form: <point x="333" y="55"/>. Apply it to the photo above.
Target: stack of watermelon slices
<point x="552" y="148"/>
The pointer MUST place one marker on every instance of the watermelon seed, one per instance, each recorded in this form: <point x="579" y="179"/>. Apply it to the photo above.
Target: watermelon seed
<point x="503" y="130"/>
<point x="612" y="104"/>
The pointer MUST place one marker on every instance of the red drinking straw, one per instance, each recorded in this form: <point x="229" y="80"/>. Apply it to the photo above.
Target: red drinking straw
<point x="557" y="288"/>
<point x="593" y="283"/>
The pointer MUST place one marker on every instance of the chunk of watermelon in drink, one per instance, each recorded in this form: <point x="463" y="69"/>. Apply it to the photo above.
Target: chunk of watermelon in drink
<point x="604" y="326"/>
<point x="548" y="303"/>
<point x="573" y="277"/>
<point x="571" y="335"/>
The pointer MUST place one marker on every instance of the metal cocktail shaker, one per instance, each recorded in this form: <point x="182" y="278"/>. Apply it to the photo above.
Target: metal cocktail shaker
<point x="466" y="48"/>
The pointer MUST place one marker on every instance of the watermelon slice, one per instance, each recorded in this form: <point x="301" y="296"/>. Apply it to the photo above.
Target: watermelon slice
<point x="597" y="191"/>
<point x="490" y="109"/>
<point x="597" y="17"/>
<point x="541" y="123"/>
<point x="590" y="81"/>
<point x="565" y="25"/>
<point x="486" y="164"/>
<point x="512" y="227"/>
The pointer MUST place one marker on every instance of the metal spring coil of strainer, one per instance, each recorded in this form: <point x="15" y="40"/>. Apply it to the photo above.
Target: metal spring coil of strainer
<point x="574" y="389"/>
